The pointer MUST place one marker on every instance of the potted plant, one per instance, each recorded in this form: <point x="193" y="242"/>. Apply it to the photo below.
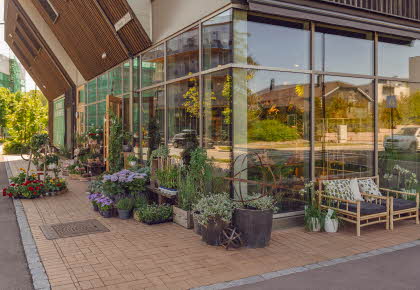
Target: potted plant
<point x="92" y="198"/>
<point x="254" y="219"/>
<point x="331" y="221"/>
<point x="132" y="160"/>
<point x="215" y="214"/>
<point x="313" y="218"/>
<point x="154" y="214"/>
<point x="105" y="205"/>
<point x="168" y="179"/>
<point x="187" y="197"/>
<point x="51" y="161"/>
<point x="124" y="206"/>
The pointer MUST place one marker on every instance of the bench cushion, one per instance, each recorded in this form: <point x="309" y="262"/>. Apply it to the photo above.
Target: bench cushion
<point x="339" y="188"/>
<point x="401" y="204"/>
<point x="366" y="208"/>
<point x="367" y="185"/>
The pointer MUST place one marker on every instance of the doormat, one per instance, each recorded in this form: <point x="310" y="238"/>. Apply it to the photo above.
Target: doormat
<point x="73" y="229"/>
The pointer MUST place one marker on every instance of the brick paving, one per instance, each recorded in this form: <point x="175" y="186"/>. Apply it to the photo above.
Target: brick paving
<point x="136" y="256"/>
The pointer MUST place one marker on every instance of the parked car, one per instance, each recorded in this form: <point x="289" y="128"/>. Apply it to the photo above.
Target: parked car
<point x="180" y="139"/>
<point x="406" y="139"/>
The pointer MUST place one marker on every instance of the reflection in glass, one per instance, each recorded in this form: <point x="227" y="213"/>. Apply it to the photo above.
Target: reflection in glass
<point x="182" y="54"/>
<point x="126" y="112"/>
<point x="152" y="64"/>
<point x="183" y="105"/>
<point x="399" y="57"/>
<point x="91" y="116"/>
<point x="136" y="74"/>
<point x="217" y="117"/>
<point x="91" y="94"/>
<point x="115" y="81"/>
<point x="126" y="77"/>
<point x="101" y="114"/>
<point x="271" y="119"/>
<point x="399" y="135"/>
<point x="272" y="42"/>
<point x="153" y="120"/>
<point x="217" y="44"/>
<point x="343" y="50"/>
<point x="344" y="131"/>
<point x="102" y="87"/>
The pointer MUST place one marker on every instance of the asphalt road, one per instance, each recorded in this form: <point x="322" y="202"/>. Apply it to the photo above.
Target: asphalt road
<point x="14" y="272"/>
<point x="390" y="271"/>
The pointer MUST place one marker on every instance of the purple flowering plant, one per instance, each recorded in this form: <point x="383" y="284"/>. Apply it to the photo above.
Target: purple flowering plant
<point x="104" y="203"/>
<point x="93" y="197"/>
<point x="124" y="182"/>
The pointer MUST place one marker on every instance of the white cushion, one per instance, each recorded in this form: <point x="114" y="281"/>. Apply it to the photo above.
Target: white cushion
<point x="354" y="186"/>
<point x="339" y="188"/>
<point x="367" y="185"/>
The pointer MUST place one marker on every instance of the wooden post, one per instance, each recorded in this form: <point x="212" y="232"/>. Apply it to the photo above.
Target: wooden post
<point x="358" y="218"/>
<point x="387" y="211"/>
<point x="391" y="212"/>
<point x="417" y="207"/>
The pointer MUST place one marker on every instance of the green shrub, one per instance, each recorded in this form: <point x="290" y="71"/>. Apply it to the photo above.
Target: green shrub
<point x="154" y="214"/>
<point x="13" y="147"/>
<point x="271" y="131"/>
<point x="125" y="204"/>
<point x="140" y="202"/>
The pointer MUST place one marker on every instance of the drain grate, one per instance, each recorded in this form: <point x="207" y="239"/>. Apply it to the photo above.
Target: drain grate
<point x="73" y="229"/>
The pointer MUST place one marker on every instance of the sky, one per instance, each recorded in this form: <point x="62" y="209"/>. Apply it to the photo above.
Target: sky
<point x="4" y="48"/>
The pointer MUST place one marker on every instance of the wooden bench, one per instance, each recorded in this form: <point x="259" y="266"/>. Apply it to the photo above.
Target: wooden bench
<point x="162" y="196"/>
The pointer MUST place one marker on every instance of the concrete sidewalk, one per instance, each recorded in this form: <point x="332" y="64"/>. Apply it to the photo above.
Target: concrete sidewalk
<point x="14" y="272"/>
<point x="391" y="271"/>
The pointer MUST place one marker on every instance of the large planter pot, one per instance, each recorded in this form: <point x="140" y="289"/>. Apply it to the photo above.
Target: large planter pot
<point x="182" y="217"/>
<point x="331" y="225"/>
<point x="124" y="214"/>
<point x="255" y="226"/>
<point x="314" y="224"/>
<point x="132" y="163"/>
<point x="95" y="207"/>
<point x="197" y="226"/>
<point x="52" y="166"/>
<point x="212" y="232"/>
<point x="106" y="214"/>
<point x="127" y="148"/>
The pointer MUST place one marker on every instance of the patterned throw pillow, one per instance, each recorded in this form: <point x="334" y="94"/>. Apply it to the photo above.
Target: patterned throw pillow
<point x="369" y="186"/>
<point x="339" y="188"/>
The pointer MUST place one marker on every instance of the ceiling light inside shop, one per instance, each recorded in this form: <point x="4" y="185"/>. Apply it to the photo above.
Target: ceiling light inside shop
<point x="104" y="55"/>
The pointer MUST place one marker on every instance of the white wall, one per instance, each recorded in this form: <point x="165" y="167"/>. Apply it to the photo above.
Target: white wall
<point x="52" y="42"/>
<point x="4" y="64"/>
<point x="170" y="16"/>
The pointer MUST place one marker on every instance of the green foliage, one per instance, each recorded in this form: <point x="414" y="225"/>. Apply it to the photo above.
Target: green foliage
<point x="214" y="207"/>
<point x="125" y="204"/>
<point x="116" y="139"/>
<point x="187" y="192"/>
<point x="154" y="214"/>
<point x="14" y="147"/>
<point x="132" y="157"/>
<point x="140" y="202"/>
<point x="191" y="143"/>
<point x="154" y="136"/>
<point x="312" y="211"/>
<point x="168" y="177"/>
<point x="258" y="202"/>
<point x="271" y="131"/>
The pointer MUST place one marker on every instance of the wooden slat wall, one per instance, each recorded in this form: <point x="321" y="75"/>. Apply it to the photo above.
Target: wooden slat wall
<point x="34" y="57"/>
<point x="85" y="34"/>
<point x="403" y="8"/>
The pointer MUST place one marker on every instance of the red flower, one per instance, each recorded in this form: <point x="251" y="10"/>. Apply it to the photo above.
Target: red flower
<point x="10" y="195"/>
<point x="37" y="188"/>
<point x="58" y="184"/>
<point x="35" y="193"/>
<point x="31" y="188"/>
<point x="12" y="184"/>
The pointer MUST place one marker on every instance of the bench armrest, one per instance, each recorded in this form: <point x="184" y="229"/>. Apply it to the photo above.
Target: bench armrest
<point x="397" y="192"/>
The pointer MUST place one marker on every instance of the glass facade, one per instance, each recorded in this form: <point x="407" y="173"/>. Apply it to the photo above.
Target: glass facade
<point x="302" y="96"/>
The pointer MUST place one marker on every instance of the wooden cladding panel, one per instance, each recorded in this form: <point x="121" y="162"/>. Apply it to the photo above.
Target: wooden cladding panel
<point x="34" y="57"/>
<point x="402" y="8"/>
<point x="86" y="34"/>
<point x="132" y="34"/>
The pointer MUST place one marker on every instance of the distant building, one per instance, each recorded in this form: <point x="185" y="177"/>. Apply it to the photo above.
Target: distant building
<point x="12" y="74"/>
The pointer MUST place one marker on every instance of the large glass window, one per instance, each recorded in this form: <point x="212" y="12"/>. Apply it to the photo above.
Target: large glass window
<point x="399" y="57"/>
<point x="91" y="95"/>
<point x="183" y="105"/>
<point x="91" y="116"/>
<point x="217" y="117"/>
<point x="102" y="86"/>
<point x="343" y="50"/>
<point x="182" y="54"/>
<point x="153" y="120"/>
<point x="271" y="119"/>
<point x="136" y="74"/>
<point x="269" y="41"/>
<point x="101" y="114"/>
<point x="126" y="78"/>
<point x="217" y="40"/>
<point x="115" y="81"/>
<point x="152" y="66"/>
<point x="399" y="135"/>
<point x="344" y="134"/>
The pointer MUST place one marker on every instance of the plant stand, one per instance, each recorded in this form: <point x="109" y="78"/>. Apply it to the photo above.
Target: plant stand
<point x="182" y="217"/>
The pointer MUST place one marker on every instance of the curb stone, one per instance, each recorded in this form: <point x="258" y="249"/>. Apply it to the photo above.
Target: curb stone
<point x="39" y="277"/>
<point x="321" y="264"/>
